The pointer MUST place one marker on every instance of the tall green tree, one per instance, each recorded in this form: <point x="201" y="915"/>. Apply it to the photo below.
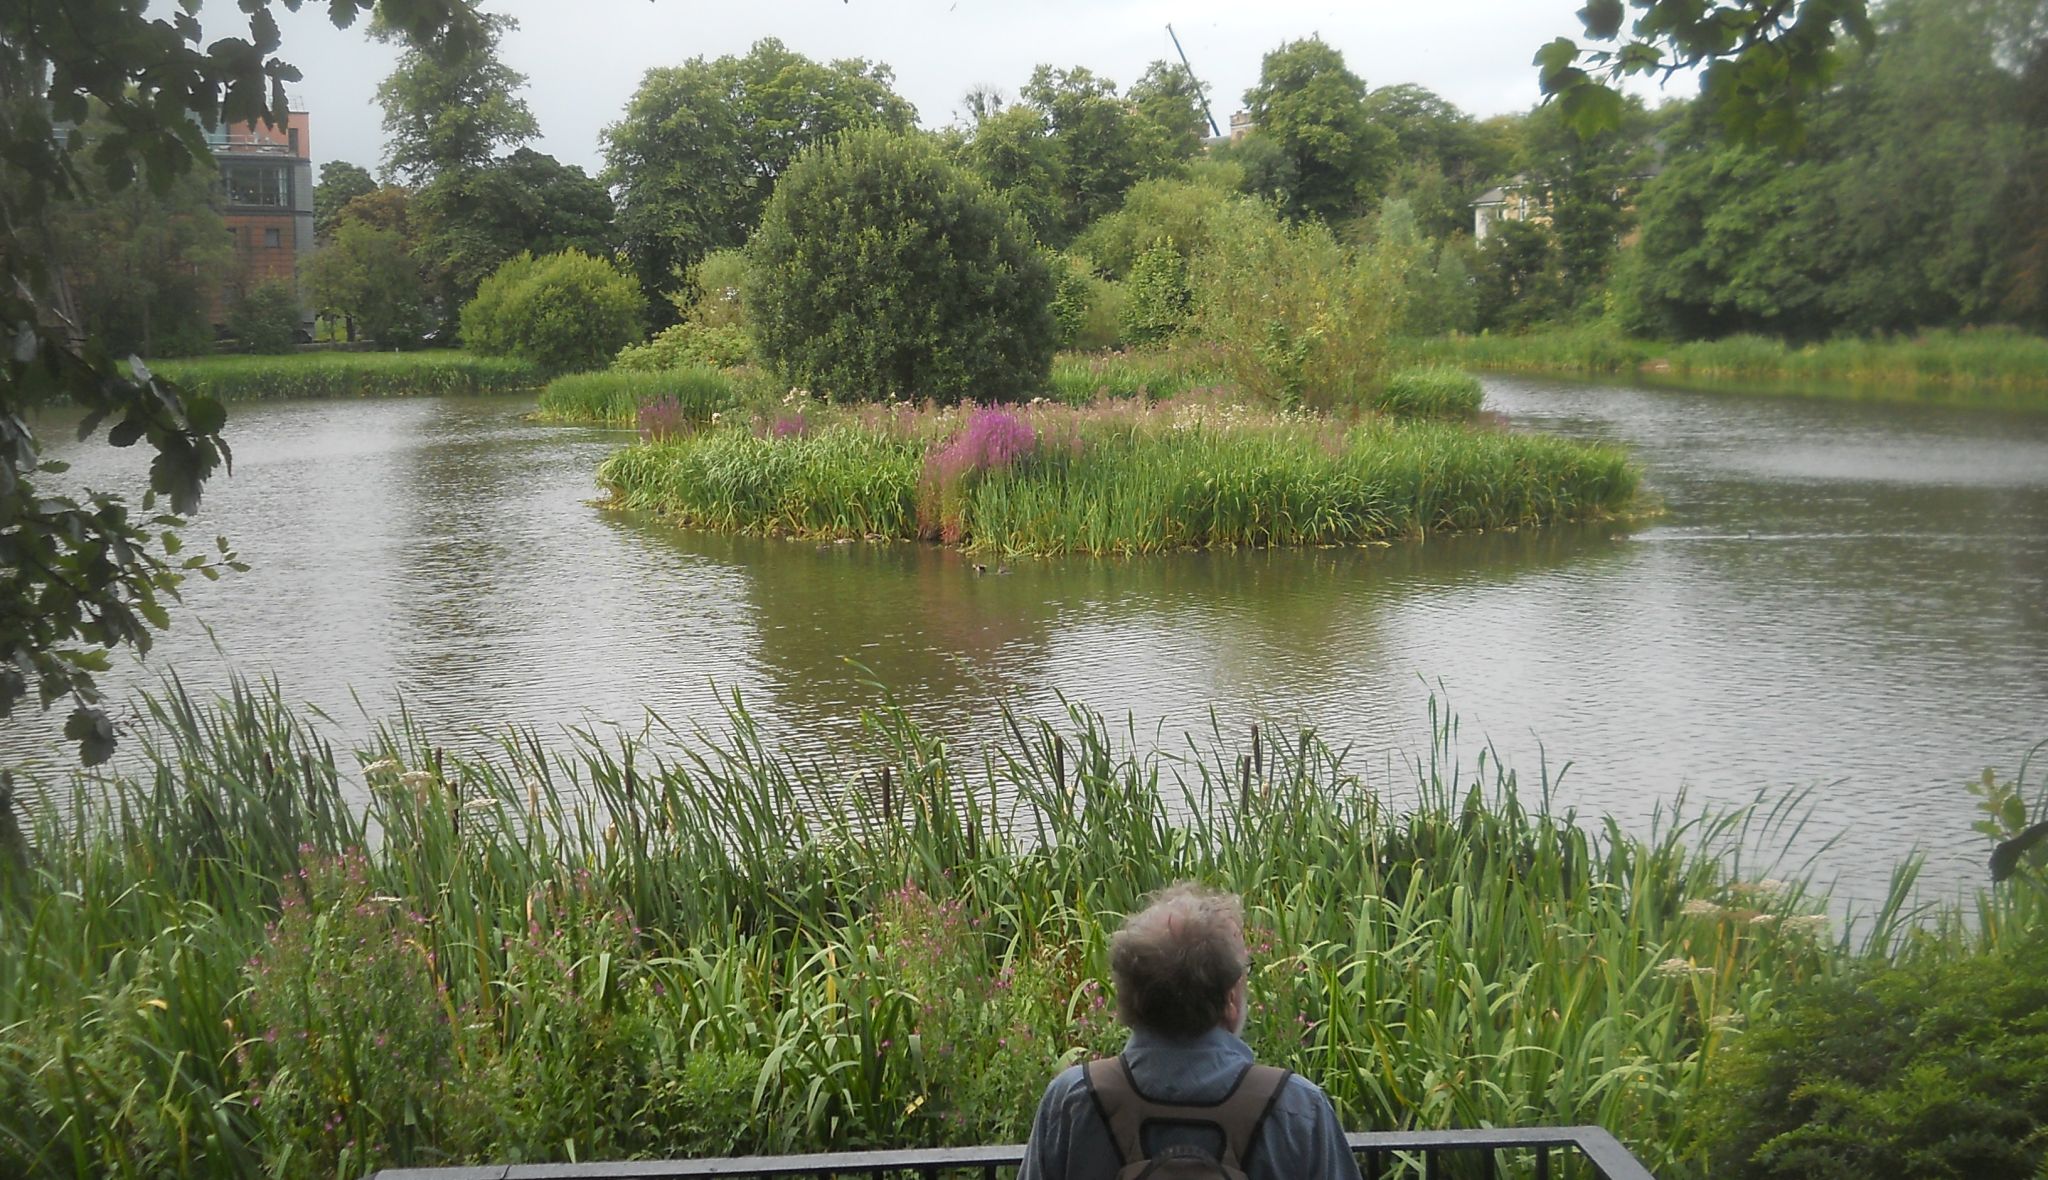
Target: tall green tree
<point x="701" y="146"/>
<point x="80" y="576"/>
<point x="1013" y="151"/>
<point x="367" y="274"/>
<point x="474" y="220"/>
<point x="1311" y="107"/>
<point x="1105" y="143"/>
<point x="1445" y="157"/>
<point x="447" y="115"/>
<point x="1588" y="184"/>
<point x="1170" y="95"/>
<point x="340" y="182"/>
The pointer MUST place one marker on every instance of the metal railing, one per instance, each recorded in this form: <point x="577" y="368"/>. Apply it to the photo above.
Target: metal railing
<point x="1603" y="1154"/>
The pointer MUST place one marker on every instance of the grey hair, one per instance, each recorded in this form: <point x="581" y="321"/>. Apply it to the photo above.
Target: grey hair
<point x="1176" y="960"/>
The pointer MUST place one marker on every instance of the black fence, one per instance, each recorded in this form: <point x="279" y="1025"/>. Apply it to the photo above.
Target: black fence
<point x="1547" y="1151"/>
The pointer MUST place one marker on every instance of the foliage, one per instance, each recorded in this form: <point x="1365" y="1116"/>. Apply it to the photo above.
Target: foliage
<point x="78" y="578"/>
<point x="1014" y="153"/>
<point x="1300" y="319"/>
<point x="618" y="398"/>
<point x="701" y="146"/>
<point x="1087" y="310"/>
<point x="1439" y="293"/>
<point x="1587" y="183"/>
<point x="1155" y="212"/>
<point x="340" y="182"/>
<point x="1518" y="279"/>
<point x="1126" y="477"/>
<point x="444" y="115"/>
<point x="367" y="274"/>
<point x="1312" y="108"/>
<point x="1103" y="144"/>
<point x="563" y="312"/>
<point x="880" y="268"/>
<point x="1430" y="391"/>
<point x="1758" y="61"/>
<point x="1170" y="96"/>
<point x="351" y="374"/>
<point x="1834" y="241"/>
<point x="687" y="345"/>
<point x="1444" y="156"/>
<point x="265" y="318"/>
<point x="1158" y="301"/>
<point x="1156" y="375"/>
<point x="470" y="220"/>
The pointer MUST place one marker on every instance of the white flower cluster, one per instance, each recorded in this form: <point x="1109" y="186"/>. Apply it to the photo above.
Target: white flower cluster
<point x="1681" y="969"/>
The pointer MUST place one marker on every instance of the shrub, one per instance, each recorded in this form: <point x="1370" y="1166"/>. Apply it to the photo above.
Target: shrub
<point x="687" y="345"/>
<point x="1430" y="390"/>
<point x="881" y="268"/>
<point x="1933" y="1070"/>
<point x="1087" y="308"/>
<point x="1158" y="301"/>
<point x="266" y="318"/>
<point x="564" y="311"/>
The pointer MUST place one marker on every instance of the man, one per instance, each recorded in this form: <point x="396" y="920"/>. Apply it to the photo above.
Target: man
<point x="1181" y="970"/>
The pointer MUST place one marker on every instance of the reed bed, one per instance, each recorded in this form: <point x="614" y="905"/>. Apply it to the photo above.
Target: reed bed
<point x="1079" y="378"/>
<point x="1997" y="368"/>
<point x="616" y="397"/>
<point x="256" y="956"/>
<point x="1120" y="478"/>
<point x="350" y="374"/>
<point x="1438" y="391"/>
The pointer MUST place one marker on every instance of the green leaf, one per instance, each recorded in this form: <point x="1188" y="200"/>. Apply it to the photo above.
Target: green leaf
<point x="206" y="414"/>
<point x="1602" y="19"/>
<point x="2005" y="858"/>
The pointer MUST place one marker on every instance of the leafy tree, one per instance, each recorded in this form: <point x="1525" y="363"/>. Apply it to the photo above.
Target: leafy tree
<point x="140" y="268"/>
<point x="389" y="208"/>
<point x="78" y="577"/>
<point x="1104" y="143"/>
<point x="1174" y="213"/>
<point x="701" y="146"/>
<point x="1588" y="183"/>
<point x="443" y="115"/>
<point x="367" y="274"/>
<point x="1014" y="153"/>
<point x="1517" y="280"/>
<point x="340" y="182"/>
<point x="1759" y="59"/>
<point x="1171" y="97"/>
<point x="1310" y="106"/>
<point x="1445" y="157"/>
<point x="880" y="267"/>
<point x="1159" y="298"/>
<point x="265" y="318"/>
<point x="563" y="312"/>
<point x="472" y="220"/>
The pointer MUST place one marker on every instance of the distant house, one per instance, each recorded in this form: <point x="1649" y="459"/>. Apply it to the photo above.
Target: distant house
<point x="1517" y="200"/>
<point x="266" y="185"/>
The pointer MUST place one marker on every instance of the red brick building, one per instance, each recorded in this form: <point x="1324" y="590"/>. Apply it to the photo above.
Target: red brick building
<point x="266" y="181"/>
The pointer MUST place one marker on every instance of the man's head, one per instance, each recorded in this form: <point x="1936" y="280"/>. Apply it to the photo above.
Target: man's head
<point x="1180" y="961"/>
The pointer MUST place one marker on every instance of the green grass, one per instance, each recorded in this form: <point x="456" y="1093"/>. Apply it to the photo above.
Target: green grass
<point x="1999" y="368"/>
<point x="1120" y="478"/>
<point x="1079" y="378"/>
<point x="255" y="956"/>
<point x="349" y="374"/>
<point x="1431" y="391"/>
<point x="614" y="397"/>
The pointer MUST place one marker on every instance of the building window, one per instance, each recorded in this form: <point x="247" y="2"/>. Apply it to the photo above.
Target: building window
<point x="273" y="238"/>
<point x="267" y="185"/>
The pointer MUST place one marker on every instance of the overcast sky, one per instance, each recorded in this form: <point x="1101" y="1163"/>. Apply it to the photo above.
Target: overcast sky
<point x="584" y="58"/>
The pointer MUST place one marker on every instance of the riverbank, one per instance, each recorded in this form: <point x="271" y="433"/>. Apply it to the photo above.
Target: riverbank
<point x="441" y="372"/>
<point x="1121" y="477"/>
<point x="597" y="950"/>
<point x="1991" y="368"/>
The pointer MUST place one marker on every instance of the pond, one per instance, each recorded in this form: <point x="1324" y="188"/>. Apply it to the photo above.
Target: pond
<point x="1841" y="597"/>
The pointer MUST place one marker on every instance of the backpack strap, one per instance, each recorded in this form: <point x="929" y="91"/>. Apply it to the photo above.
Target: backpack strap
<point x="1239" y="1115"/>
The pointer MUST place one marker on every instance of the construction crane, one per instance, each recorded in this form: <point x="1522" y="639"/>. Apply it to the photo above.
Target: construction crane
<point x="1206" y="114"/>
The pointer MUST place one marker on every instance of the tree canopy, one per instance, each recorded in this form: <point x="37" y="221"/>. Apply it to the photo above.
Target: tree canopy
<point x="1311" y="108"/>
<point x="445" y="115"/>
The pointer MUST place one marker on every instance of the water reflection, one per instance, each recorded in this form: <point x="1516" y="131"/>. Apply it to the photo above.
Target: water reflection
<point x="1841" y="595"/>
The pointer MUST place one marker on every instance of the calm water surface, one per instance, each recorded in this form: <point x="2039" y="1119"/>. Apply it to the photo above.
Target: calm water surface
<point x="1841" y="597"/>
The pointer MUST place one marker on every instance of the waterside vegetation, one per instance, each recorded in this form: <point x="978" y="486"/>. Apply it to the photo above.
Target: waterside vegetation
<point x="1118" y="477"/>
<point x="1985" y="367"/>
<point x="252" y="955"/>
<point x="349" y="374"/>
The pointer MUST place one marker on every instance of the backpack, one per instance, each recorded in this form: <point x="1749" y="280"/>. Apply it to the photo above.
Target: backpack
<point x="1239" y="1116"/>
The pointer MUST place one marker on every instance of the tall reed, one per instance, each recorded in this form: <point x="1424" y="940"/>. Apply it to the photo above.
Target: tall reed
<point x="615" y="397"/>
<point x="349" y="374"/>
<point x="254" y="956"/>
<point x="1124" y="478"/>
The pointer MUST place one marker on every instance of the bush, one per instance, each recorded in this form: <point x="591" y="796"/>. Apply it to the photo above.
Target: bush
<point x="564" y="311"/>
<point x="881" y="268"/>
<point x="687" y="345"/>
<point x="1430" y="390"/>
<point x="1158" y="301"/>
<point x="266" y="318"/>
<point x="1087" y="308"/>
<point x="1934" y="1070"/>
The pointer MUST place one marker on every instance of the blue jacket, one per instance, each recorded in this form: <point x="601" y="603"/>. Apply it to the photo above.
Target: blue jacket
<point x="1300" y="1137"/>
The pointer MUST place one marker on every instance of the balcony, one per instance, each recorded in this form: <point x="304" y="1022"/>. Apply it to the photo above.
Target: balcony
<point x="1543" y="1152"/>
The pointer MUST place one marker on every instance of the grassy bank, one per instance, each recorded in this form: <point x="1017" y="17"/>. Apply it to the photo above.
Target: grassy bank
<point x="1114" y="478"/>
<point x="349" y="374"/>
<point x="1989" y="368"/>
<point x="616" y="397"/>
<point x="256" y="957"/>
